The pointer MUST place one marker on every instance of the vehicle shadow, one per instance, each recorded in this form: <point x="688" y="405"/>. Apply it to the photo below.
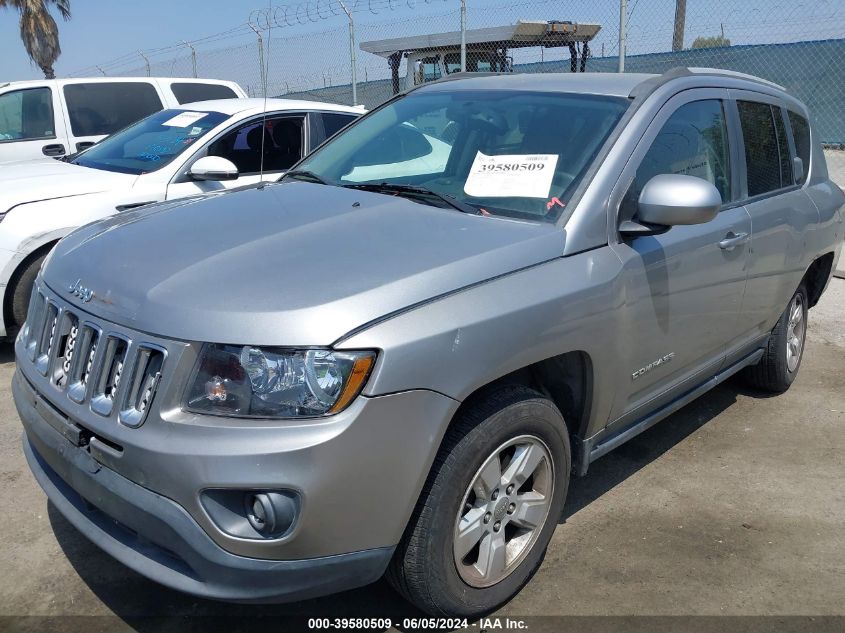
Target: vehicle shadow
<point x="615" y="467"/>
<point x="146" y="606"/>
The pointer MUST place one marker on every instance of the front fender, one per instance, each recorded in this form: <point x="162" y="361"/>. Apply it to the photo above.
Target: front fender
<point x="458" y="343"/>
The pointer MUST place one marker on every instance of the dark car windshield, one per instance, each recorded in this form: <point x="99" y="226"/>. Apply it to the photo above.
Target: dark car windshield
<point x="151" y="143"/>
<point x="519" y="154"/>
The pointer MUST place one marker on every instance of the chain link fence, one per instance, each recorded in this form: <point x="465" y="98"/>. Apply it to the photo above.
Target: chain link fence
<point x="305" y="46"/>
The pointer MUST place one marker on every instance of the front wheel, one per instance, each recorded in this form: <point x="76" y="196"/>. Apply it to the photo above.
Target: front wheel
<point x="781" y="359"/>
<point x="489" y="507"/>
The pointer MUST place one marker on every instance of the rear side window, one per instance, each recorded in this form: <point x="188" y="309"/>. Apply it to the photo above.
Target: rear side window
<point x="767" y="159"/>
<point x="693" y="142"/>
<point x="26" y="115"/>
<point x="190" y="92"/>
<point x="103" y="108"/>
<point x="801" y="134"/>
<point x="334" y="123"/>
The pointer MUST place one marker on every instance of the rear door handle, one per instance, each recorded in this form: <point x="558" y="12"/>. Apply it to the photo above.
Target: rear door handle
<point x="53" y="150"/>
<point x="732" y="240"/>
<point x="84" y="145"/>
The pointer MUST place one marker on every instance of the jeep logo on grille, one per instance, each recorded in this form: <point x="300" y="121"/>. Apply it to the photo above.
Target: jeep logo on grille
<point x="78" y="290"/>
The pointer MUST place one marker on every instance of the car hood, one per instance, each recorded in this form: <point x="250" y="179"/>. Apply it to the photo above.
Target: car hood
<point x="34" y="181"/>
<point x="287" y="264"/>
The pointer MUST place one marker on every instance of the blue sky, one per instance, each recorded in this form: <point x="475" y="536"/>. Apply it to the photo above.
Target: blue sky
<point x="101" y="32"/>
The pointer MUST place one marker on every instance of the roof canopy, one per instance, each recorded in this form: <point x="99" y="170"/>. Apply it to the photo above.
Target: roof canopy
<point x="520" y="35"/>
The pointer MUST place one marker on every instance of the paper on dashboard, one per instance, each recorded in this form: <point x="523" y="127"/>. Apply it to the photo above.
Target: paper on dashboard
<point x="511" y="176"/>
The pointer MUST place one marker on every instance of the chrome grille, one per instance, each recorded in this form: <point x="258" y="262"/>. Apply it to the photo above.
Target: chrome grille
<point x="90" y="362"/>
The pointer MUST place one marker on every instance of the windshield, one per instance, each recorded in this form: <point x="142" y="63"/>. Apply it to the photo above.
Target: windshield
<point x="504" y="152"/>
<point x="151" y="143"/>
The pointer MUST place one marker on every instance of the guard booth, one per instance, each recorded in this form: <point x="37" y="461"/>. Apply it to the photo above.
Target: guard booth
<point x="430" y="57"/>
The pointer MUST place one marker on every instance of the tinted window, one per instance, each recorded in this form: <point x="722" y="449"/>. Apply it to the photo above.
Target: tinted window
<point x="333" y="123"/>
<point x="763" y="149"/>
<point x="693" y="142"/>
<point x="150" y="144"/>
<point x="104" y="108"/>
<point x="190" y="92"/>
<point x="282" y="145"/>
<point x="26" y="114"/>
<point x="801" y="134"/>
<point x="783" y="149"/>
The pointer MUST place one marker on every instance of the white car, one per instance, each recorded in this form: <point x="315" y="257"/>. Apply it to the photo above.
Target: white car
<point x="199" y="148"/>
<point x="57" y="117"/>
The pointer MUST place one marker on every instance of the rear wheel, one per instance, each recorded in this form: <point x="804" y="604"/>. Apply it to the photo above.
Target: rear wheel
<point x="781" y="360"/>
<point x="489" y="507"/>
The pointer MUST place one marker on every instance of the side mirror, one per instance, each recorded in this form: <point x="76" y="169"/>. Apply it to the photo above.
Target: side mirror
<point x="675" y="199"/>
<point x="213" y="168"/>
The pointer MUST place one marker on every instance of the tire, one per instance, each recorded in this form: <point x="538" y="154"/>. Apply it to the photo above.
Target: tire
<point x="782" y="357"/>
<point x="427" y="568"/>
<point x="21" y="290"/>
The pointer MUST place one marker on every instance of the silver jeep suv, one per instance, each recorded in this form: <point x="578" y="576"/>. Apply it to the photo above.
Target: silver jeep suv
<point x="394" y="359"/>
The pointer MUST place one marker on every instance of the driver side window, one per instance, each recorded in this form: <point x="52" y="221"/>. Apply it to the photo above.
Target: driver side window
<point x="282" y="145"/>
<point x="693" y="142"/>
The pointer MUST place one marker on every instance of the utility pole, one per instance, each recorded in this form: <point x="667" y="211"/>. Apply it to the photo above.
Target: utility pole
<point x="262" y="69"/>
<point x="193" y="56"/>
<point x="351" y="51"/>
<point x="680" y="23"/>
<point x="464" y="36"/>
<point x="146" y="62"/>
<point x="623" y="15"/>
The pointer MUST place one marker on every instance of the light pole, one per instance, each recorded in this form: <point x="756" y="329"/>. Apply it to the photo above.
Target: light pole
<point x="623" y="15"/>
<point x="351" y="51"/>
<point x="463" y="36"/>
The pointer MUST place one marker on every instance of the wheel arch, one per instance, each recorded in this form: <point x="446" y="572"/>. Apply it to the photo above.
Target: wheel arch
<point x="566" y="379"/>
<point x="15" y="275"/>
<point x="817" y="277"/>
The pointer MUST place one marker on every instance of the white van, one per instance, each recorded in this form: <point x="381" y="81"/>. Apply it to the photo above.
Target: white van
<point x="57" y="117"/>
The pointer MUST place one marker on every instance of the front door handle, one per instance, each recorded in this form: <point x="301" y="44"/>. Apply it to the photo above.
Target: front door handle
<point x="53" y="150"/>
<point x="732" y="240"/>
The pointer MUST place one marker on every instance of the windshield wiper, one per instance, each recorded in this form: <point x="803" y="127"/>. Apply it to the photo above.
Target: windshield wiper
<point x="303" y="174"/>
<point x="387" y="187"/>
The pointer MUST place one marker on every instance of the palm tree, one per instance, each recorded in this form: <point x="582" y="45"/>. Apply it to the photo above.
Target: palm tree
<point x="39" y="31"/>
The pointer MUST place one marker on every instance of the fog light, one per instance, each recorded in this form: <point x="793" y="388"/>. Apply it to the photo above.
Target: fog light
<point x="270" y="513"/>
<point x="252" y="514"/>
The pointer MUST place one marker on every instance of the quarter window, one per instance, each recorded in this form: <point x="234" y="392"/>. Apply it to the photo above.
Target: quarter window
<point x="26" y="115"/>
<point x="190" y="92"/>
<point x="801" y="134"/>
<point x="693" y="142"/>
<point x="766" y="151"/>
<point x="98" y="109"/>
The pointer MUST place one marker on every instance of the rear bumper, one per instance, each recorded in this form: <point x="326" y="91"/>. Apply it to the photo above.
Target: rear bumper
<point x="157" y="538"/>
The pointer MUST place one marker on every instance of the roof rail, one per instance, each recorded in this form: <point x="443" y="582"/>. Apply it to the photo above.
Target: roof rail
<point x="734" y="73"/>
<point x="648" y="86"/>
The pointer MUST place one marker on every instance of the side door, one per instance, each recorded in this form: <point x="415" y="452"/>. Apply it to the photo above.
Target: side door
<point x="31" y="123"/>
<point x="97" y="109"/>
<point x="683" y="287"/>
<point x="284" y="140"/>
<point x="782" y="214"/>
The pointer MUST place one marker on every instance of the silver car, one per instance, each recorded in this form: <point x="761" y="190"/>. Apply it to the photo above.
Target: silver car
<point x="394" y="359"/>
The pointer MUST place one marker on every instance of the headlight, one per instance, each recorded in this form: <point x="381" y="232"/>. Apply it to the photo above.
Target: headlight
<point x="270" y="382"/>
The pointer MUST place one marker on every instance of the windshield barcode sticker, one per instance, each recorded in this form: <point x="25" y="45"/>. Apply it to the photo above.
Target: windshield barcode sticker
<point x="511" y="176"/>
<point x="184" y="119"/>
